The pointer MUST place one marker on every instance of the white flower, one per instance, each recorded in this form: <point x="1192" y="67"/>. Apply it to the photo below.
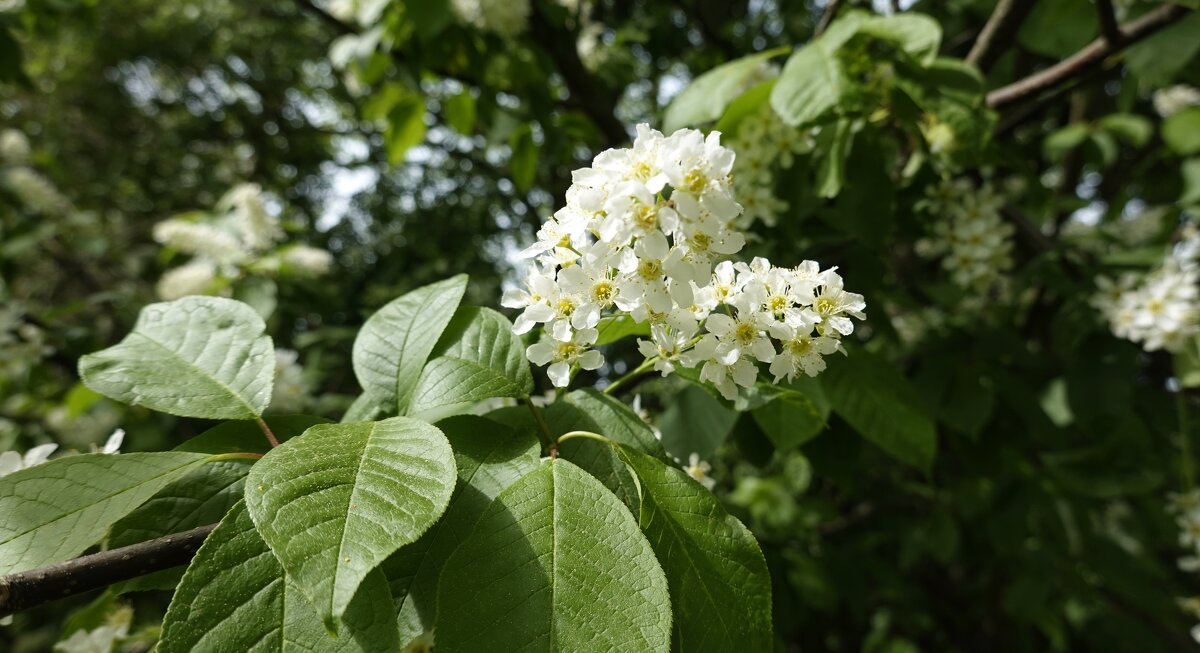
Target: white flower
<point x="833" y="303"/>
<point x="562" y="354"/>
<point x="35" y="191"/>
<point x="667" y="346"/>
<point x="14" y="147"/>
<point x="244" y="204"/>
<point x="307" y="261"/>
<point x="193" y="278"/>
<point x="201" y="239"/>
<point x="291" y="390"/>
<point x="802" y="350"/>
<point x="698" y="469"/>
<point x="112" y="444"/>
<point x="1172" y="100"/>
<point x="11" y="461"/>
<point x="507" y="18"/>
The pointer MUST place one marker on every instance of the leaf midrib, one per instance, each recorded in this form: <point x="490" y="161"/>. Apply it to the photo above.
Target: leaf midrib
<point x="245" y="404"/>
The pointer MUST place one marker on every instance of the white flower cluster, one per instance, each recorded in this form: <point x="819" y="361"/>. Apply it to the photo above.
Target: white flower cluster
<point x="507" y="18"/>
<point x="973" y="241"/>
<point x="642" y="235"/>
<point x="1173" y="99"/>
<point x="291" y="390"/>
<point x="764" y="145"/>
<point x="35" y="191"/>
<point x="14" y="147"/>
<point x="1160" y="310"/>
<point x="235" y="240"/>
<point x="102" y="639"/>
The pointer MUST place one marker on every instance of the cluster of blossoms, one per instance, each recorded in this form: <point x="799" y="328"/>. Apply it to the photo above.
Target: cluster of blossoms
<point x="970" y="237"/>
<point x="643" y="236"/>
<point x="1186" y="508"/>
<point x="1160" y="310"/>
<point x="239" y="238"/>
<point x="291" y="391"/>
<point x="765" y="145"/>
<point x="32" y="189"/>
<point x="506" y="18"/>
<point x="1173" y="99"/>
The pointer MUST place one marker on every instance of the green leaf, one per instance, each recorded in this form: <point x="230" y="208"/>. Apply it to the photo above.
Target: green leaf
<point x="917" y="34"/>
<point x="1059" y="28"/>
<point x="56" y="510"/>
<point x="556" y="563"/>
<point x="614" y="420"/>
<point x="1156" y="60"/>
<point x="395" y="342"/>
<point x="489" y="457"/>
<point x="745" y="105"/>
<point x="1187" y="364"/>
<point x="615" y="327"/>
<point x="524" y="158"/>
<point x="338" y="500"/>
<point x="1129" y="127"/>
<point x="835" y="141"/>
<point x="705" y="99"/>
<point x="718" y="579"/>
<point x="477" y="357"/>
<point x="875" y="399"/>
<point x="795" y="416"/>
<point x="405" y="127"/>
<point x="1191" y="182"/>
<point x="809" y="87"/>
<point x="695" y="422"/>
<point x="193" y="357"/>
<point x="235" y="597"/>
<point x="366" y="408"/>
<point x="198" y="499"/>
<point x="1181" y="131"/>
<point x="1061" y="141"/>
<point x="460" y="112"/>
<point x="246" y="436"/>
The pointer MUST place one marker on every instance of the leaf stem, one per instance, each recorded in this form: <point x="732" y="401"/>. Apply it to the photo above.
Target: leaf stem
<point x="543" y="433"/>
<point x="646" y="366"/>
<point x="239" y="455"/>
<point x="262" y="424"/>
<point x="581" y="434"/>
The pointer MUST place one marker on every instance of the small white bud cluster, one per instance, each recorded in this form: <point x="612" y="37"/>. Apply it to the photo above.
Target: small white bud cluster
<point x="238" y="238"/>
<point x="765" y="145"/>
<point x="970" y="237"/>
<point x="1173" y="99"/>
<point x="1160" y="310"/>
<point x="291" y="391"/>
<point x="642" y="235"/>
<point x="506" y="18"/>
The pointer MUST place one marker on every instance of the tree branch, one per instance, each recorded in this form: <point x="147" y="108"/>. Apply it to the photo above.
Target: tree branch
<point x="1109" y="28"/>
<point x="1083" y="61"/>
<point x="29" y="589"/>
<point x="831" y="10"/>
<point x="998" y="34"/>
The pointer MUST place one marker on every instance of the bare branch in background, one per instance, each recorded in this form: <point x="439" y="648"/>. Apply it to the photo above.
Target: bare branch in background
<point x="999" y="32"/>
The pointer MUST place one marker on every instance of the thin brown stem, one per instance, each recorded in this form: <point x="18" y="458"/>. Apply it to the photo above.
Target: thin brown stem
<point x="262" y="424"/>
<point x="1086" y="59"/>
<point x="999" y="32"/>
<point x="29" y="589"/>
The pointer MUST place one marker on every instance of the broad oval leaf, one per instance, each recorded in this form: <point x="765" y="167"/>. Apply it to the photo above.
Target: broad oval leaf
<point x="338" y="500"/>
<point x="556" y="563"/>
<point x="54" y="511"/>
<point x="477" y="357"/>
<point x="234" y="597"/>
<point x="194" y="357"/>
<point x="720" y="586"/>
<point x="705" y="99"/>
<point x="395" y="342"/>
<point x="875" y="399"/>
<point x="809" y="87"/>
<point x="918" y="34"/>
<point x="490" y="457"/>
